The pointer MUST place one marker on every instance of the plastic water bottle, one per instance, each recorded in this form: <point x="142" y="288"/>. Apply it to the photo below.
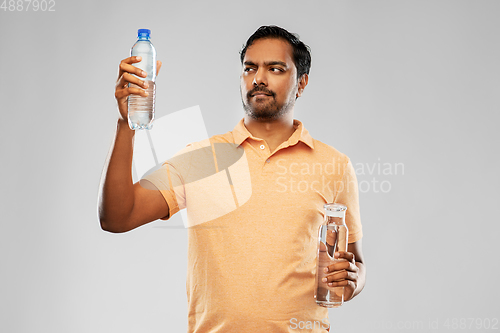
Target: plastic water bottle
<point x="332" y="238"/>
<point x="141" y="110"/>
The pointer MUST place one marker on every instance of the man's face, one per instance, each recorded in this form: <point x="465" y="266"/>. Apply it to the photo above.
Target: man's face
<point x="269" y="79"/>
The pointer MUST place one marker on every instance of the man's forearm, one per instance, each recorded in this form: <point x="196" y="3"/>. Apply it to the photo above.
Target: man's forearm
<point x="116" y="195"/>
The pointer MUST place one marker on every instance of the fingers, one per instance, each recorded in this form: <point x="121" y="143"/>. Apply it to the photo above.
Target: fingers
<point x="331" y="237"/>
<point x="343" y="273"/>
<point x="127" y="82"/>
<point x="127" y="67"/>
<point x="340" y="278"/>
<point x="133" y="89"/>
<point x="346" y="262"/>
<point x="129" y="78"/>
<point x="331" y="241"/>
<point x="342" y="270"/>
<point x="341" y="265"/>
<point x="348" y="290"/>
<point x="322" y="247"/>
<point x="349" y="256"/>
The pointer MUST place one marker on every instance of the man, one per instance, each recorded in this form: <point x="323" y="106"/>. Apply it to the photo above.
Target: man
<point x="251" y="269"/>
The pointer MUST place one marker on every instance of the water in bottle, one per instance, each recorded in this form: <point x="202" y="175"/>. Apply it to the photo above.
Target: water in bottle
<point x="332" y="237"/>
<point x="141" y="110"/>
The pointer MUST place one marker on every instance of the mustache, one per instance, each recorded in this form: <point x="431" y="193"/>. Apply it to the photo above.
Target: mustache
<point x="260" y="89"/>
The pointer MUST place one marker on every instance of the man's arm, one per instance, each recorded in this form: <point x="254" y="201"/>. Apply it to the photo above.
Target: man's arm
<point x="123" y="205"/>
<point x="350" y="273"/>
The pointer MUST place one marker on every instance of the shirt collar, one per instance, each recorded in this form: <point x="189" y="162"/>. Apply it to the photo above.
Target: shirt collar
<point x="241" y="133"/>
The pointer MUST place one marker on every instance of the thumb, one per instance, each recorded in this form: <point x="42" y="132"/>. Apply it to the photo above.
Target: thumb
<point x="158" y="66"/>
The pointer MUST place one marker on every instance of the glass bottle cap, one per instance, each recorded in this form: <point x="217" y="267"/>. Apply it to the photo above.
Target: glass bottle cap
<point x="334" y="209"/>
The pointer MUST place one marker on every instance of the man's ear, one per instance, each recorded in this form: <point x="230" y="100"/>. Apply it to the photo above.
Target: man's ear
<point x="302" y="85"/>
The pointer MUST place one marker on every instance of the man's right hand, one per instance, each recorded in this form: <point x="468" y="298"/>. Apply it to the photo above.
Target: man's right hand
<point x="122" y="89"/>
<point x="123" y="205"/>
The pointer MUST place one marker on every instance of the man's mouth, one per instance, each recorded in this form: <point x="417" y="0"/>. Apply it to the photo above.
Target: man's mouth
<point x="260" y="92"/>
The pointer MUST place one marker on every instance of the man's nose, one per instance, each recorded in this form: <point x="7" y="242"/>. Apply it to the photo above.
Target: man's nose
<point x="260" y="78"/>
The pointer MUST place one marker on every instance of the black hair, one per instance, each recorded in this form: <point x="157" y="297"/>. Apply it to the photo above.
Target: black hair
<point x="301" y="52"/>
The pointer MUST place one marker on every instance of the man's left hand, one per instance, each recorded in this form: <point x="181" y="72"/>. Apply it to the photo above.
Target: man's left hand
<point x="343" y="274"/>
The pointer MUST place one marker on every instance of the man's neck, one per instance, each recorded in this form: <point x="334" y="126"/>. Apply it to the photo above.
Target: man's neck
<point x="274" y="132"/>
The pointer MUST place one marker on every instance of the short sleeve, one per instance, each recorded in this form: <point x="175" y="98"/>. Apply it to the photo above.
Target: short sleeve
<point x="184" y="170"/>
<point x="168" y="180"/>
<point x="348" y="195"/>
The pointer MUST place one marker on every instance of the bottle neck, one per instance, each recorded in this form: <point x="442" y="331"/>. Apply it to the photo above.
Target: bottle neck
<point x="334" y="220"/>
<point x="142" y="38"/>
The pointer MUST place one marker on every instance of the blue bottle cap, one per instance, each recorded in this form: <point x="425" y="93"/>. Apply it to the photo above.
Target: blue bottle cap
<point x="143" y="32"/>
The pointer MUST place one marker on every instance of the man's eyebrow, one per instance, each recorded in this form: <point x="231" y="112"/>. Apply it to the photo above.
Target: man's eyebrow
<point x="268" y="63"/>
<point x="274" y="63"/>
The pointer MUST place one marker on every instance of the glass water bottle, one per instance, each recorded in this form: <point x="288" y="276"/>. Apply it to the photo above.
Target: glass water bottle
<point x="332" y="237"/>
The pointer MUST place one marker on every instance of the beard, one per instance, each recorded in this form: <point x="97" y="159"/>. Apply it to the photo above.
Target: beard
<point x="266" y="110"/>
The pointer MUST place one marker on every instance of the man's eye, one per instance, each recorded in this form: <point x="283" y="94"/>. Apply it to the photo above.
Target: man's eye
<point x="248" y="69"/>
<point x="276" y="70"/>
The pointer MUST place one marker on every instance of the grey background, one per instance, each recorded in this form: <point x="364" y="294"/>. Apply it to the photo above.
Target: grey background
<point x="412" y="82"/>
